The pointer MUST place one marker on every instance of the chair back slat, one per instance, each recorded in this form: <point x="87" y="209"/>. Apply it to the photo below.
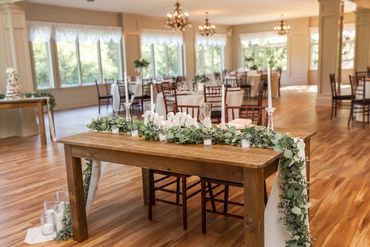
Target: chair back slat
<point x="192" y="110"/>
<point x="333" y="85"/>
<point x="97" y="88"/>
<point x="169" y="96"/>
<point x="251" y="112"/>
<point x="145" y="87"/>
<point x="213" y="94"/>
<point x="107" y="84"/>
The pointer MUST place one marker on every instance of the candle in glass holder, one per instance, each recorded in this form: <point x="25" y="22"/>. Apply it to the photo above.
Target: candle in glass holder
<point x="126" y="89"/>
<point x="269" y="96"/>
<point x="151" y="98"/>
<point x="115" y="131"/>
<point x="223" y="105"/>
<point x="134" y="133"/>
<point x="47" y="226"/>
<point x="207" y="141"/>
<point x="245" y="143"/>
<point x="162" y="136"/>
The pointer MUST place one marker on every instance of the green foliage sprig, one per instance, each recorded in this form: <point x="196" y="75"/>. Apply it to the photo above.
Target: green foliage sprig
<point x="52" y="102"/>
<point x="293" y="197"/>
<point x="66" y="232"/>
<point x="141" y="63"/>
<point x="201" y="78"/>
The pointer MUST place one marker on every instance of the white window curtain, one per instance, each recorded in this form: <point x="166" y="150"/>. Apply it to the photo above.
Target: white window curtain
<point x="261" y="39"/>
<point x="215" y="40"/>
<point x="43" y="31"/>
<point x="161" y="37"/>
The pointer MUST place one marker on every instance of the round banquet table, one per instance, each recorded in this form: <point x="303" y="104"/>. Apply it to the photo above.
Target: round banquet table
<point x="233" y="98"/>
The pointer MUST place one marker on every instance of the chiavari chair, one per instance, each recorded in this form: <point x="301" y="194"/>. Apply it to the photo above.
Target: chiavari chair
<point x="213" y="95"/>
<point x="169" y="91"/>
<point x="192" y="110"/>
<point x="359" y="103"/>
<point x="209" y="186"/>
<point x="103" y="98"/>
<point x="337" y="99"/>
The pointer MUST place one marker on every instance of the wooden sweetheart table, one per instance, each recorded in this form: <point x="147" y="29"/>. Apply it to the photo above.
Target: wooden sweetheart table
<point x="250" y="166"/>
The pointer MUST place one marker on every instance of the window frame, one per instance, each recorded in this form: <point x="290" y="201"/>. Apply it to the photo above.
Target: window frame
<point x="49" y="58"/>
<point x="212" y="49"/>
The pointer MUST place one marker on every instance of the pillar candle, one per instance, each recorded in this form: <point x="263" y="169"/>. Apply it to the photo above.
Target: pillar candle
<point x="126" y="89"/>
<point x="223" y="105"/>
<point x="269" y="96"/>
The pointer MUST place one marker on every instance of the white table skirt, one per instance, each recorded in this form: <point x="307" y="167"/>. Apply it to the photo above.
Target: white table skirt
<point x="234" y="98"/>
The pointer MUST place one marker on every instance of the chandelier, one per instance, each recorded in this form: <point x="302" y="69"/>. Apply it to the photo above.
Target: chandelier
<point x="178" y="20"/>
<point x="282" y="29"/>
<point x="207" y="29"/>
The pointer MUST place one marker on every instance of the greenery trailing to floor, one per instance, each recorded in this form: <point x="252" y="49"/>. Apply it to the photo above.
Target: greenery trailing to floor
<point x="293" y="196"/>
<point x="52" y="102"/>
<point x="66" y="232"/>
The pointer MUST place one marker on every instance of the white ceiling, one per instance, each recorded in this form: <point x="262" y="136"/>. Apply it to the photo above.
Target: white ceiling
<point x="220" y="11"/>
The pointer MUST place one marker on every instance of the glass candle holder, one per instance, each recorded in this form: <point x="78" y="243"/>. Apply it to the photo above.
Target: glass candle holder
<point x="47" y="227"/>
<point x="207" y="141"/>
<point x="134" y="132"/>
<point x="115" y="130"/>
<point x="245" y="143"/>
<point x="162" y="136"/>
<point x="59" y="207"/>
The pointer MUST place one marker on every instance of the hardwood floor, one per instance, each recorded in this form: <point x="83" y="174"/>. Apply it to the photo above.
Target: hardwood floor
<point x="340" y="188"/>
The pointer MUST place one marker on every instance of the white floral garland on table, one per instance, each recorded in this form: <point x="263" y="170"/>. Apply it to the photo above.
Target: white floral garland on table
<point x="182" y="129"/>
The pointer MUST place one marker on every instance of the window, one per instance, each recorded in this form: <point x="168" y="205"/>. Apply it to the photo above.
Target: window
<point x="110" y="58"/>
<point x="163" y="50"/>
<point x="209" y="59"/>
<point x="67" y="60"/>
<point x="262" y="48"/>
<point x="84" y="53"/>
<point x="41" y="59"/>
<point x="348" y="47"/>
<point x="89" y="62"/>
<point x="210" y="53"/>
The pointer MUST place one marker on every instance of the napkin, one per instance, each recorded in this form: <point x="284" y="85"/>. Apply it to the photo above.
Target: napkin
<point x="34" y="236"/>
<point x="239" y="123"/>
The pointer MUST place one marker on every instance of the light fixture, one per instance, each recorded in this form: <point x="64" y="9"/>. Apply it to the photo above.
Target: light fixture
<point x="282" y="29"/>
<point x="178" y="20"/>
<point x="207" y="29"/>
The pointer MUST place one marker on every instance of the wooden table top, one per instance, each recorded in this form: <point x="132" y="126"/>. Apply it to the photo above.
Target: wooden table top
<point x="215" y="154"/>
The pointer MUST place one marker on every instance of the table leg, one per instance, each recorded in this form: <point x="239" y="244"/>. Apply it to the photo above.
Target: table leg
<point x="145" y="178"/>
<point x="308" y="164"/>
<point x="76" y="195"/>
<point x="254" y="207"/>
<point x="40" y="113"/>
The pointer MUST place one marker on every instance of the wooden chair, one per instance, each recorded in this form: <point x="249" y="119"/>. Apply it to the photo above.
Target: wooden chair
<point x="280" y="71"/>
<point x="103" y="98"/>
<point x="122" y="94"/>
<point x="243" y="83"/>
<point x="337" y="99"/>
<point x="360" y="74"/>
<point x="264" y="80"/>
<point x="193" y="110"/>
<point x="359" y="103"/>
<point x="145" y="94"/>
<point x="166" y="179"/>
<point x="209" y="186"/>
<point x="107" y="84"/>
<point x="212" y="95"/>
<point x="169" y="96"/>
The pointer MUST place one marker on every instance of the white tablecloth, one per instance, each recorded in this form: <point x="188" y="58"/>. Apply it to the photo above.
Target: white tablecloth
<point x="134" y="88"/>
<point x="233" y="98"/>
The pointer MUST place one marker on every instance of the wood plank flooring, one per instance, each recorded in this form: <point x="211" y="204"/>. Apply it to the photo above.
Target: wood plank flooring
<point x="340" y="189"/>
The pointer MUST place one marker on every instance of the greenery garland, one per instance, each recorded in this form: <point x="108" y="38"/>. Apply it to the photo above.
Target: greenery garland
<point x="293" y="197"/>
<point x="52" y="102"/>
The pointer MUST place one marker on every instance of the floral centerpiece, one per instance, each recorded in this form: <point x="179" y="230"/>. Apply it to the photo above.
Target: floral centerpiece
<point x="141" y="64"/>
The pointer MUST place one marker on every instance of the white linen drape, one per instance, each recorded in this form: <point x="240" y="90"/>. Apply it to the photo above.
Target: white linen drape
<point x="43" y="31"/>
<point x="215" y="40"/>
<point x="261" y="38"/>
<point x="161" y="37"/>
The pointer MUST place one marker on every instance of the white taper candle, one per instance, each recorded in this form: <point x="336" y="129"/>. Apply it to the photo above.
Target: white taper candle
<point x="151" y="98"/>
<point x="223" y="105"/>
